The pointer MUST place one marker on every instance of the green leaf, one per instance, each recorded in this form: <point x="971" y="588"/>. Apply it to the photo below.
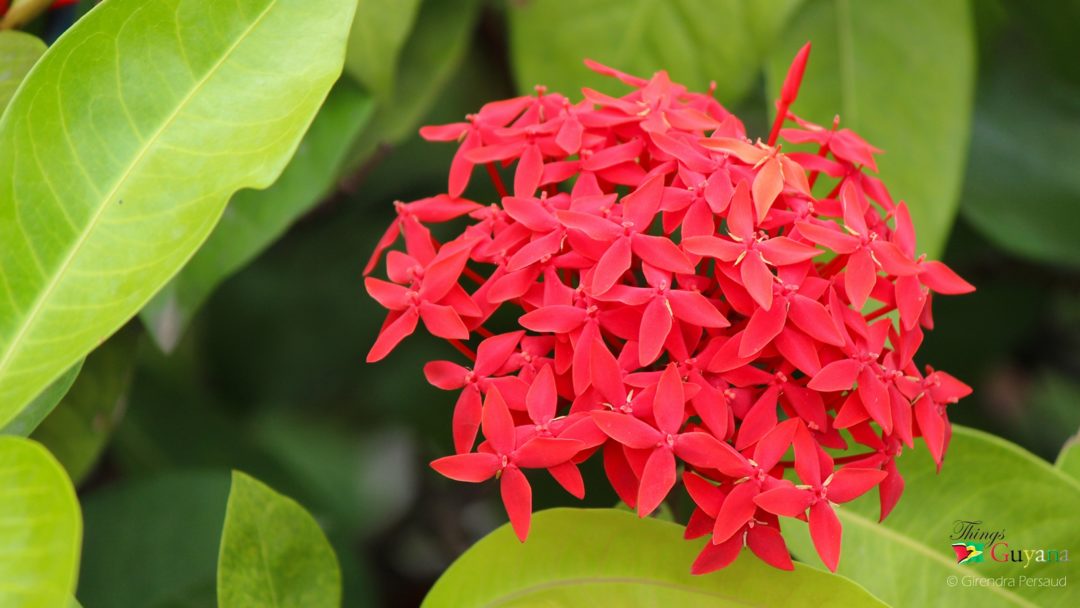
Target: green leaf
<point x="907" y="560"/>
<point x="379" y="30"/>
<point x="255" y="219"/>
<point x="18" y="53"/>
<point x="606" y="557"/>
<point x="37" y="410"/>
<point x="42" y="528"/>
<point x="1068" y="461"/>
<point x="696" y="41"/>
<point x="78" y="429"/>
<point x="1023" y="149"/>
<point x="273" y="553"/>
<point x="430" y="58"/>
<point x="92" y="226"/>
<point x="901" y="74"/>
<point x="162" y="532"/>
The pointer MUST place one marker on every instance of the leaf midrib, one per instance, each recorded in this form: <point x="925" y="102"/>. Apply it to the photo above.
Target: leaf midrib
<point x="84" y="236"/>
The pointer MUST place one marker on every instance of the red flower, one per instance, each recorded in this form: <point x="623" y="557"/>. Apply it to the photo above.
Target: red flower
<point x="670" y="292"/>
<point x="818" y="496"/>
<point x="503" y="455"/>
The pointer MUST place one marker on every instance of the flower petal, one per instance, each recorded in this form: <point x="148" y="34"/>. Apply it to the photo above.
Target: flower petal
<point x="768" y="544"/>
<point x="787" y="501"/>
<point x="466" y="421"/>
<point x="497" y="424"/>
<point x="655" y="327"/>
<point x="737" y="509"/>
<point x="517" y="498"/>
<point x="443" y="321"/>
<point x="836" y="376"/>
<point x="714" y="557"/>
<point x="626" y="429"/>
<point x="612" y="265"/>
<point x="764" y="325"/>
<point x="392" y="334"/>
<point x="545" y="452"/>
<point x="826" y="532"/>
<point x="475" y="467"/>
<point x="848" y="483"/>
<point x="656" y="480"/>
<point x="705" y="451"/>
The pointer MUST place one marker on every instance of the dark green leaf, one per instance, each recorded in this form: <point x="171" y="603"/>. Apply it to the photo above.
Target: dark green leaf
<point x="907" y="560"/>
<point x="93" y="226"/>
<point x="78" y="429"/>
<point x="273" y="554"/>
<point x="41" y="527"/>
<point x="379" y="30"/>
<point x="431" y="56"/>
<point x="256" y="218"/>
<point x="1023" y="189"/>
<point x="606" y="557"/>
<point x="696" y="41"/>
<point x="901" y="74"/>
<point x="153" y="543"/>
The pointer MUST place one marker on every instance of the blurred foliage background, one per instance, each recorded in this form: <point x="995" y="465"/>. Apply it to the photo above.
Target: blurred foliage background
<point x="253" y="357"/>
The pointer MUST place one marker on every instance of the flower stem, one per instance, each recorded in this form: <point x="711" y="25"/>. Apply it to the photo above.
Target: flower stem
<point x="496" y="179"/>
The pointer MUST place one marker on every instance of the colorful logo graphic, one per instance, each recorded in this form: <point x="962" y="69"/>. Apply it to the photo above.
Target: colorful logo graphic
<point x="968" y="553"/>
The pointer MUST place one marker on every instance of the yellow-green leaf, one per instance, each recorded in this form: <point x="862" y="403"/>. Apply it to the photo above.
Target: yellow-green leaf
<point x="608" y="557"/>
<point x="273" y="554"/>
<point x="908" y="559"/>
<point x="18" y="53"/>
<point x="40" y="527"/>
<point x="121" y="148"/>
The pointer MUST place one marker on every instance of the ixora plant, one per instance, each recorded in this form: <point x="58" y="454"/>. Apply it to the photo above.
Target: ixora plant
<point x="680" y="294"/>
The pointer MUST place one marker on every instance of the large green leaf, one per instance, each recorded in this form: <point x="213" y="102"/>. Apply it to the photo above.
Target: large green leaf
<point x="436" y="47"/>
<point x="1023" y="189"/>
<point x="901" y="74"/>
<point x="18" y="53"/>
<point x="78" y="429"/>
<point x="273" y="553"/>
<point x="39" y="408"/>
<point x="254" y="219"/>
<point x="379" y="30"/>
<point x="908" y="559"/>
<point x="105" y="200"/>
<point x="152" y="543"/>
<point x="41" y="527"/>
<point x="696" y="41"/>
<point x="606" y="557"/>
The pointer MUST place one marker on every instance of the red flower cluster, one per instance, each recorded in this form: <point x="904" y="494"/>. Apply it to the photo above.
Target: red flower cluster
<point x="684" y="296"/>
